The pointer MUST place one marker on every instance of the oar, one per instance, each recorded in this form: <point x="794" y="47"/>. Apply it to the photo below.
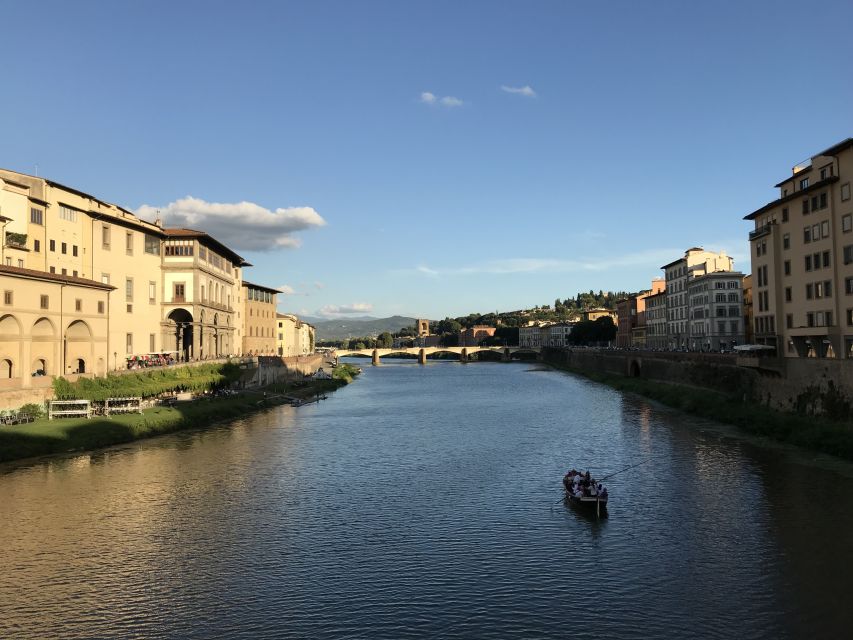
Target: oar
<point x="625" y="469"/>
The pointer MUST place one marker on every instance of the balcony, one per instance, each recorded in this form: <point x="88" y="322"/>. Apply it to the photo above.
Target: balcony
<point x="16" y="240"/>
<point x="761" y="231"/>
<point x="800" y="166"/>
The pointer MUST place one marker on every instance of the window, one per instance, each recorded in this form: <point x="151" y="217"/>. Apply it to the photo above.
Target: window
<point x="807" y="235"/>
<point x="105" y="278"/>
<point x="37" y="246"/>
<point x="805" y="206"/>
<point x="64" y="248"/>
<point x="52" y="245"/>
<point x="848" y="254"/>
<point x="816" y="260"/>
<point x="787" y="294"/>
<point x="20" y="263"/>
<point x="152" y="293"/>
<point x="78" y="305"/>
<point x="815" y="232"/>
<point x="180" y="289"/>
<point x="818" y="290"/>
<point x="7" y="297"/>
<point x="786" y="241"/>
<point x="202" y="293"/>
<point x="44" y="302"/>
<point x="74" y="273"/>
<point x="735" y="325"/>
<point x="825" y="259"/>
<point x="819" y="319"/>
<point x="128" y="243"/>
<point x="824" y="229"/>
<point x="74" y="250"/>
<point x="804" y="183"/>
<point x="721" y="326"/>
<point x="785" y="214"/>
<point x="809" y="291"/>
<point x="814" y="203"/>
<point x="827" y="288"/>
<point x="808" y="263"/>
<point x="152" y="245"/>
<point x="823" y="200"/>
<point x="105" y="236"/>
<point x="65" y="272"/>
<point x="789" y="321"/>
<point x="848" y="286"/>
<point x="67" y="213"/>
<point x="36" y="216"/>
<point x="850" y="317"/>
<point x="128" y="289"/>
<point x="152" y="342"/>
<point x="53" y="269"/>
<point x="845" y="191"/>
<point x="100" y="306"/>
<point x="809" y="319"/>
<point x="847" y="223"/>
<point x="179" y="248"/>
<point x="825" y="172"/>
<point x="129" y="342"/>
<point x="787" y="266"/>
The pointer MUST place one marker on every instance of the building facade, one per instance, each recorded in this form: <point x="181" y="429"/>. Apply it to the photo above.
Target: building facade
<point x="656" y="321"/>
<point x="259" y="320"/>
<point x="696" y="262"/>
<point x="802" y="260"/>
<point x="716" y="311"/>
<point x="294" y="337"/>
<point x="558" y="335"/>
<point x="51" y="325"/>
<point x="202" y="283"/>
<point x="473" y="336"/>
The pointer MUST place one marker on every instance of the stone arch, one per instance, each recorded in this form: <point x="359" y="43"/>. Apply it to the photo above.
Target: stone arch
<point x="183" y="328"/>
<point x="43" y="328"/>
<point x="7" y="368"/>
<point x="40" y="366"/>
<point x="78" y="330"/>
<point x="634" y="369"/>
<point x="9" y="326"/>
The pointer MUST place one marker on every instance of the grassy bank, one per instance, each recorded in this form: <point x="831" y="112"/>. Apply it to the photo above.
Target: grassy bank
<point x="818" y="434"/>
<point x="45" y="437"/>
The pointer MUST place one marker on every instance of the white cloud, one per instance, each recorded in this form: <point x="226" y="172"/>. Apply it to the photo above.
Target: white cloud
<point x="445" y="101"/>
<point x="244" y="226"/>
<point x="287" y="290"/>
<point x="651" y="259"/>
<point x="526" y="90"/>
<point x="335" y="311"/>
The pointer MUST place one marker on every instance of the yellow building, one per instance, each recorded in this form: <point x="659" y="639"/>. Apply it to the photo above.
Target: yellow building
<point x="595" y="314"/>
<point x="201" y="296"/>
<point x="259" y="320"/>
<point x="59" y="230"/>
<point x="51" y="325"/>
<point x="802" y="260"/>
<point x="294" y="337"/>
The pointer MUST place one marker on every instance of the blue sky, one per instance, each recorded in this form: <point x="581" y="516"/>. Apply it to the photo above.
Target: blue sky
<point x="431" y="158"/>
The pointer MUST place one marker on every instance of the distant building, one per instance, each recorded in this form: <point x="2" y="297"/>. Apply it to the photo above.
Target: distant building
<point x="694" y="263"/>
<point x="595" y="314"/>
<point x="422" y="326"/>
<point x="473" y="336"/>
<point x="530" y="336"/>
<point x="631" y="314"/>
<point x="558" y="335"/>
<point x="294" y="337"/>
<point x="259" y="320"/>
<point x="656" y="321"/>
<point x="716" y="311"/>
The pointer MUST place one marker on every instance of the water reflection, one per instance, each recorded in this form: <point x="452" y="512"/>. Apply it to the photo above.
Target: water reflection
<point x="420" y="502"/>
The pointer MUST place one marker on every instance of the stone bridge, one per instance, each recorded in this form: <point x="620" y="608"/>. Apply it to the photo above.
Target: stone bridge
<point x="422" y="352"/>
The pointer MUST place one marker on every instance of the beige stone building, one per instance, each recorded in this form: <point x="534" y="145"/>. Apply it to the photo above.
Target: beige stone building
<point x="294" y="337"/>
<point x="716" y="311"/>
<point x="656" y="321"/>
<point x="802" y="259"/>
<point x="202" y="282"/>
<point x="60" y="230"/>
<point x="260" y="324"/>
<point x="50" y="325"/>
<point x="695" y="262"/>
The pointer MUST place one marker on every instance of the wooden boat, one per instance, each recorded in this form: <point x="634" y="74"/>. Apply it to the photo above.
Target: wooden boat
<point x="597" y="502"/>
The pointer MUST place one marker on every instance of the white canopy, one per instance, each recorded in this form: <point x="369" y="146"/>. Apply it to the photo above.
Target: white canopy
<point x="753" y="347"/>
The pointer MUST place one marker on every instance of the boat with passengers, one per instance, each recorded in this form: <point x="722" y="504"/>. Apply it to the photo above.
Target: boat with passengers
<point x="583" y="490"/>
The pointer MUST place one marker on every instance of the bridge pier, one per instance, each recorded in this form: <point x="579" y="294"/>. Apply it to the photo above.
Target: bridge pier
<point x="422" y="357"/>
<point x="463" y="356"/>
<point x="375" y="360"/>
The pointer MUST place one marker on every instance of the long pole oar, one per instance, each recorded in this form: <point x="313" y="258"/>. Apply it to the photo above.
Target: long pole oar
<point x="625" y="469"/>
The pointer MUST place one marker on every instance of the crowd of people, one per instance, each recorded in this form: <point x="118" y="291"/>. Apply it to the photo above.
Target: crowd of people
<point x="582" y="485"/>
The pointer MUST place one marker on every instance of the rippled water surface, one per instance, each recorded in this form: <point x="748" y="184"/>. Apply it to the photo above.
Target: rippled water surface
<point x="424" y="501"/>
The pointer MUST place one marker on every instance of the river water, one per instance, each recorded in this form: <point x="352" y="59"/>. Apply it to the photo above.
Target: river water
<point x="424" y="501"/>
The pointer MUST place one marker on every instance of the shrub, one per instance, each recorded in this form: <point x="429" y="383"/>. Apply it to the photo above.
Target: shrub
<point x="35" y="410"/>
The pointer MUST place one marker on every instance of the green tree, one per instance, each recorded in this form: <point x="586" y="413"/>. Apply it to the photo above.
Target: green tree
<point x="385" y="340"/>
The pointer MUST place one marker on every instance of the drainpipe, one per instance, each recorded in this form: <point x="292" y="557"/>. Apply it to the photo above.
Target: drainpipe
<point x="62" y="328"/>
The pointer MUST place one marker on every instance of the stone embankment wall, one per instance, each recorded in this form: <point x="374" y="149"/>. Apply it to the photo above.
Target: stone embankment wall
<point x="265" y="370"/>
<point x="810" y="386"/>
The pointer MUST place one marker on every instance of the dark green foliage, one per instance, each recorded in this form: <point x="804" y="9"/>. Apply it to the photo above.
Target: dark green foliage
<point x="597" y="331"/>
<point x="33" y="409"/>
<point x="148" y="383"/>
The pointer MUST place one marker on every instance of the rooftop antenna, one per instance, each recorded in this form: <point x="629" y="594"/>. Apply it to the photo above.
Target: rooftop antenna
<point x="157" y="219"/>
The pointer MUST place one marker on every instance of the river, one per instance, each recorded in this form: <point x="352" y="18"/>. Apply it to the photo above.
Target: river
<point x="424" y="501"/>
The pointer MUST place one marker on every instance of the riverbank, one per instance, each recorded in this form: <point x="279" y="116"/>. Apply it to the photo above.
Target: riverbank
<point x="818" y="434"/>
<point x="50" y="437"/>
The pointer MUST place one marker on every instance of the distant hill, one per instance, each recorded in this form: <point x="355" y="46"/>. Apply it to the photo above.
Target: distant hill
<point x="341" y="328"/>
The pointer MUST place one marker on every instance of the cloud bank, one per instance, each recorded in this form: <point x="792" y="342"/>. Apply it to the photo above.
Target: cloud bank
<point x="445" y="101"/>
<point x="243" y="226"/>
<point x="336" y="311"/>
<point x="526" y="90"/>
